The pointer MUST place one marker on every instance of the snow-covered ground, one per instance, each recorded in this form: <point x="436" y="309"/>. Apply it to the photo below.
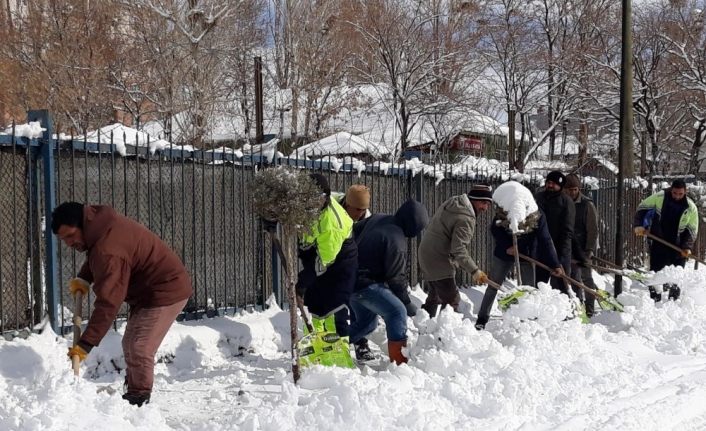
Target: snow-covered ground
<point x="644" y="369"/>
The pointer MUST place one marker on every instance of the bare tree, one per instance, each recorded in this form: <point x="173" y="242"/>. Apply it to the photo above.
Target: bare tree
<point x="687" y="48"/>
<point x="63" y="49"/>
<point x="397" y="55"/>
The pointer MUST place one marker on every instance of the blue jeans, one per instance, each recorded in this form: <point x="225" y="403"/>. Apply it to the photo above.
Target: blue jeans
<point x="371" y="302"/>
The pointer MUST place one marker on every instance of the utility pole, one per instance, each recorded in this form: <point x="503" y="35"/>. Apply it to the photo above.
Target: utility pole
<point x="259" y="129"/>
<point x="625" y="145"/>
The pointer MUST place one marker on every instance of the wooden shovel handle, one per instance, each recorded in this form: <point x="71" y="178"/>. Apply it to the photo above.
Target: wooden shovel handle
<point x="672" y="246"/>
<point x="563" y="276"/>
<point x="77" y="319"/>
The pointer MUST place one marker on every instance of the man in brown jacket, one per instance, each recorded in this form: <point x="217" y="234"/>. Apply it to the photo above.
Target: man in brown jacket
<point x="125" y="263"/>
<point x="445" y="246"/>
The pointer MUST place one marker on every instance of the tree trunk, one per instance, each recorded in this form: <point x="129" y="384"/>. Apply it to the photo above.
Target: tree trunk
<point x="289" y="243"/>
<point x="294" y="122"/>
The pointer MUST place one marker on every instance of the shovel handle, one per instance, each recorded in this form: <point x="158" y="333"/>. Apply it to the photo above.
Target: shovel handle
<point x="672" y="246"/>
<point x="494" y="285"/>
<point x="77" y="319"/>
<point x="563" y="276"/>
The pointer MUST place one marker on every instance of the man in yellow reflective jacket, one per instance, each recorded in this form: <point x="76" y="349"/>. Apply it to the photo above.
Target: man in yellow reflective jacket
<point x="329" y="259"/>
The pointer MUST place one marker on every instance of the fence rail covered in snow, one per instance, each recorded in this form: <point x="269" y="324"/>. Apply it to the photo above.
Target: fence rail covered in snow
<point x="199" y="202"/>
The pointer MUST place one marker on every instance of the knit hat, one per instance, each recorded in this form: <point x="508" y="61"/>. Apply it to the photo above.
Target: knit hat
<point x="358" y="196"/>
<point x="322" y="182"/>
<point x="572" y="180"/>
<point x="557" y="178"/>
<point x="481" y="192"/>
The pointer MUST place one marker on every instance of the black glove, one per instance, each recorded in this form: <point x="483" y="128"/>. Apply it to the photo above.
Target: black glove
<point x="269" y="225"/>
<point x="411" y="309"/>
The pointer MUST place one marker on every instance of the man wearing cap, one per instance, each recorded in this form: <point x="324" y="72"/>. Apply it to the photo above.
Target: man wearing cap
<point x="445" y="246"/>
<point x="584" y="241"/>
<point x="356" y="201"/>
<point x="560" y="212"/>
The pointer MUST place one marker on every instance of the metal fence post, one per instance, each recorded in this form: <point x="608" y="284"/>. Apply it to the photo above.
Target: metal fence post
<point x="51" y="246"/>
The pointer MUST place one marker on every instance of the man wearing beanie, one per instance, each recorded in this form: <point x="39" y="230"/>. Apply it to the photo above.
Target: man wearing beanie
<point x="356" y="201"/>
<point x="584" y="241"/>
<point x="445" y="246"/>
<point x="560" y="212"/>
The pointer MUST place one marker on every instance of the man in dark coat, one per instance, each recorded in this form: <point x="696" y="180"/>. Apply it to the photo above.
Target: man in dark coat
<point x="560" y="212"/>
<point x="125" y="263"/>
<point x="534" y="237"/>
<point x="671" y="215"/>
<point x="584" y="241"/>
<point x="381" y="287"/>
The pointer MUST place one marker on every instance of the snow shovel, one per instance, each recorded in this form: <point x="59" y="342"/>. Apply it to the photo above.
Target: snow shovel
<point x="605" y="301"/>
<point x="77" y="319"/>
<point x="672" y="246"/>
<point x="634" y="275"/>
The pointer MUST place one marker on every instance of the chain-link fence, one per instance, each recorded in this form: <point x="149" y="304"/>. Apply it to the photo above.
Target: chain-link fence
<point x="201" y="205"/>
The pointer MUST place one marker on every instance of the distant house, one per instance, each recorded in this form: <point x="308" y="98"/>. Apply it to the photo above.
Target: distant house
<point x="597" y="166"/>
<point x="342" y="144"/>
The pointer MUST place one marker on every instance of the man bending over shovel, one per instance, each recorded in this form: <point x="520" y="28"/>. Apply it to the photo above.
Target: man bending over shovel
<point x="125" y="263"/>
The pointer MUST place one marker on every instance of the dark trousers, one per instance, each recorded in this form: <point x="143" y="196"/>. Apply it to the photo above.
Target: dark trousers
<point x="499" y="271"/>
<point x="661" y="256"/>
<point x="441" y="293"/>
<point x="583" y="275"/>
<point x="558" y="283"/>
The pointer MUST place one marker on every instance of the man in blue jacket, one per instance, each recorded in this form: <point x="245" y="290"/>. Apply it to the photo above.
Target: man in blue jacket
<point x="381" y="287"/>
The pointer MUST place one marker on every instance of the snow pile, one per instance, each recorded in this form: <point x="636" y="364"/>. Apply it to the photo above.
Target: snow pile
<point x="121" y="136"/>
<point x="517" y="201"/>
<point x="32" y="130"/>
<point x="638" y="370"/>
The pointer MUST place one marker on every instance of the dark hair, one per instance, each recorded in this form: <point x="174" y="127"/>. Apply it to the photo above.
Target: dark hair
<point x="678" y="184"/>
<point x="322" y="182"/>
<point x="67" y="214"/>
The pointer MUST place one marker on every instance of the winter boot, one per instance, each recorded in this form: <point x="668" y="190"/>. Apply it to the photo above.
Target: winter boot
<point x="363" y="352"/>
<point x="674" y="291"/>
<point x="395" y="350"/>
<point x="656" y="296"/>
<point x="137" y="399"/>
<point x="480" y="322"/>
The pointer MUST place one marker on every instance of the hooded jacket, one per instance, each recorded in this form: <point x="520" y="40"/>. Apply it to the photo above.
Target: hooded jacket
<point x="382" y="247"/>
<point x="126" y="262"/>
<point x="446" y="243"/>
<point x="529" y="243"/>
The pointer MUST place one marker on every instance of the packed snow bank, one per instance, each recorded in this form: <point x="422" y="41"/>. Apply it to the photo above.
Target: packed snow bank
<point x="32" y="130"/>
<point x="642" y="369"/>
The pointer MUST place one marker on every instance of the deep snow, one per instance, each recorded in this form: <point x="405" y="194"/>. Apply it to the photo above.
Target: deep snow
<point x="643" y="369"/>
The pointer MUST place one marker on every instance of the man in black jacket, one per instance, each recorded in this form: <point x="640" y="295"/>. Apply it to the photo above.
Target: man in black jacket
<point x="381" y="287"/>
<point x="560" y="212"/>
<point x="584" y="241"/>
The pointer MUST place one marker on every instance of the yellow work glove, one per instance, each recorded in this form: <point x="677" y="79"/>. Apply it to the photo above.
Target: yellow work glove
<point x="78" y="285"/>
<point x="639" y="230"/>
<point x="480" y="277"/>
<point x="686" y="253"/>
<point x="77" y="351"/>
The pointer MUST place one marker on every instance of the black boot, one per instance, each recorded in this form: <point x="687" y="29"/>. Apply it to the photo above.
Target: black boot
<point x="656" y="296"/>
<point x="674" y="291"/>
<point x="480" y="322"/>
<point x="137" y="399"/>
<point x="363" y="352"/>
